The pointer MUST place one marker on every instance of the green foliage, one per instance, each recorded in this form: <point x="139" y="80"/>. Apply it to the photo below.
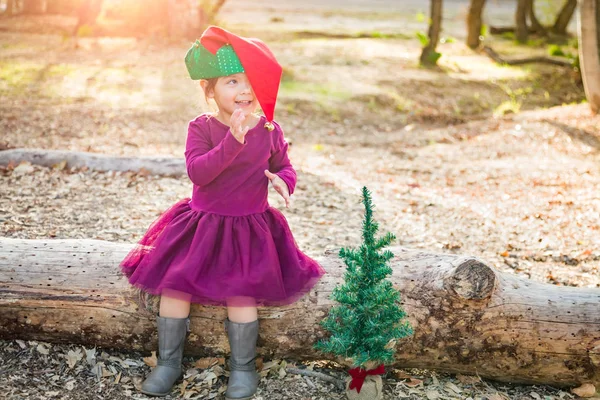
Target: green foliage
<point x="485" y="30"/>
<point x="423" y="38"/>
<point x="369" y="317"/>
<point x="85" y="31"/>
<point x="288" y="74"/>
<point x="555" y="50"/>
<point x="508" y="35"/>
<point x="433" y="57"/>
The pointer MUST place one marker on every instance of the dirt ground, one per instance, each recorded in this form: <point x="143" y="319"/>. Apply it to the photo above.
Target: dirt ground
<point x="474" y="158"/>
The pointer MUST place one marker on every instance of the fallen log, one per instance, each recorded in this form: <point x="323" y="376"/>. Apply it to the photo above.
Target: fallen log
<point x="168" y="166"/>
<point x="468" y="318"/>
<point x="491" y="53"/>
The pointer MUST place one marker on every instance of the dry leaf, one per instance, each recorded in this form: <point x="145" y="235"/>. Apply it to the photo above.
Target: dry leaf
<point x="218" y="371"/>
<point x="190" y="373"/>
<point x="137" y="382"/>
<point x="98" y="370"/>
<point x="207" y="362"/>
<point x="282" y="373"/>
<point x="585" y="390"/>
<point x="432" y="394"/>
<point x="73" y="357"/>
<point x="23" y="168"/>
<point x="452" y="387"/>
<point x="210" y="378"/>
<point x="42" y="350"/>
<point x="117" y="378"/>
<point x="152" y="360"/>
<point x="11" y="165"/>
<point x="399" y="374"/>
<point x="413" y="382"/>
<point x="535" y="396"/>
<point x="90" y="356"/>
<point x="60" y="166"/>
<point x="183" y="387"/>
<point x="495" y="396"/>
<point x="143" y="172"/>
<point x="259" y="363"/>
<point x="267" y="366"/>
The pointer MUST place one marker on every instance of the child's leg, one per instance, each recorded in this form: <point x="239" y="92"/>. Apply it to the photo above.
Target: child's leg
<point x="172" y="324"/>
<point x="174" y="304"/>
<point x="244" y="314"/>
<point x="242" y="332"/>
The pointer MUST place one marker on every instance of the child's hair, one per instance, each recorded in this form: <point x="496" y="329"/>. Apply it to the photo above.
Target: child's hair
<point x="210" y="85"/>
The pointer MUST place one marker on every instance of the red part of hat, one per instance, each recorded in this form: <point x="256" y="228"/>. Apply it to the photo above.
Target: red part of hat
<point x="260" y="65"/>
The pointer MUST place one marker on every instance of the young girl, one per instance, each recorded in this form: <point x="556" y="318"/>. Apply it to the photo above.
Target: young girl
<point x="226" y="246"/>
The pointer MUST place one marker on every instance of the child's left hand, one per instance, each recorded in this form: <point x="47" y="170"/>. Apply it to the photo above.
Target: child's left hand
<point x="280" y="186"/>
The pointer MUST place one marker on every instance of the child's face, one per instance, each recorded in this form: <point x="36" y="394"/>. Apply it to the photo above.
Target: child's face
<point x="233" y="92"/>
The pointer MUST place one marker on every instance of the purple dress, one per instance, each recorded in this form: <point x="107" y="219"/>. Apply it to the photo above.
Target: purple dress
<point x="227" y="241"/>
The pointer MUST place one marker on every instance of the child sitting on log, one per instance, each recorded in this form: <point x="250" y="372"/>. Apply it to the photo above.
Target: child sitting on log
<point x="226" y="245"/>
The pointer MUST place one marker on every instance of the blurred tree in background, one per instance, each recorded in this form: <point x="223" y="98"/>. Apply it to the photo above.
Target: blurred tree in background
<point x="173" y="18"/>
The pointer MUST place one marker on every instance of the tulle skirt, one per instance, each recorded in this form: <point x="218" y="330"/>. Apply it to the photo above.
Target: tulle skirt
<point x="221" y="260"/>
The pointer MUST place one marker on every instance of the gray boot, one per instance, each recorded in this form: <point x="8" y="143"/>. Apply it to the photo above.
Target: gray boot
<point x="243" y="379"/>
<point x="171" y="339"/>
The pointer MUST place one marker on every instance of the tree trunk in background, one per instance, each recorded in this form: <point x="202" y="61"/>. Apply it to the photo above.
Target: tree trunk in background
<point x="34" y="6"/>
<point x="208" y="13"/>
<point x="184" y="18"/>
<point x="9" y="8"/>
<point x="428" y="56"/>
<point x="536" y="26"/>
<point x="521" y="29"/>
<point x="467" y="317"/>
<point x="87" y="13"/>
<point x="63" y="7"/>
<point x="589" y="50"/>
<point x="474" y="23"/>
<point x="564" y="17"/>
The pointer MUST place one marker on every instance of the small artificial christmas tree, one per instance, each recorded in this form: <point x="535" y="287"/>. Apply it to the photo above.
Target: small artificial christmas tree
<point x="369" y="318"/>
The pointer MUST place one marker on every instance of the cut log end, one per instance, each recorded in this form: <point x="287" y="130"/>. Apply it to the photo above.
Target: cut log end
<point x="473" y="280"/>
<point x="594" y="353"/>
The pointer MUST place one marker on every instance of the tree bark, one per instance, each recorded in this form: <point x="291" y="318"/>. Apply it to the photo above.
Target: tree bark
<point x="87" y="13"/>
<point x="9" y="8"/>
<point x="184" y="18"/>
<point x="168" y="166"/>
<point x="208" y="13"/>
<point x="564" y="17"/>
<point x="521" y="29"/>
<point x="589" y="50"/>
<point x="536" y="26"/>
<point x="468" y="318"/>
<point x="435" y="26"/>
<point x="474" y="23"/>
<point x="521" y="61"/>
<point x="34" y="6"/>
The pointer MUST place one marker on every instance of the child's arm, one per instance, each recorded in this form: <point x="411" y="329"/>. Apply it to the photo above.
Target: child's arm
<point x="279" y="163"/>
<point x="204" y="163"/>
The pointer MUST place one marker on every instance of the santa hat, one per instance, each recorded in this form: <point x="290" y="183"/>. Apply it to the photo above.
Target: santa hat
<point x="222" y="53"/>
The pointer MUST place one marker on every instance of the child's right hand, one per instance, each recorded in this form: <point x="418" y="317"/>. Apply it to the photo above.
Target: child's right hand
<point x="237" y="130"/>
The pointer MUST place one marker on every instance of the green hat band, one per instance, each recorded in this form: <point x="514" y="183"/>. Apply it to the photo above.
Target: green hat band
<point x="202" y="64"/>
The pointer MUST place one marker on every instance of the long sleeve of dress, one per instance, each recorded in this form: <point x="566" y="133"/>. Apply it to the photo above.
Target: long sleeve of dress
<point x="279" y="163"/>
<point x="204" y="162"/>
